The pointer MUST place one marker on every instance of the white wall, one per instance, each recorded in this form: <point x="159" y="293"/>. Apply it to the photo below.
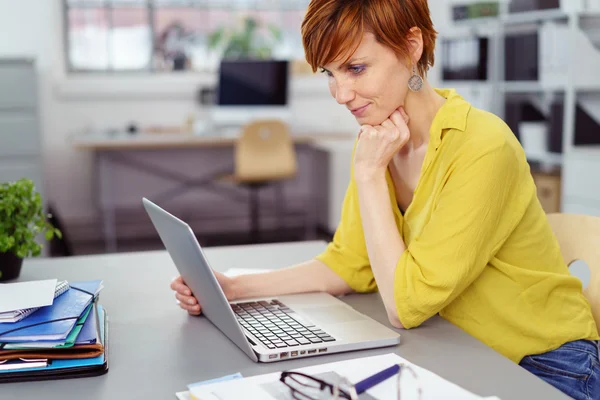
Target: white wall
<point x="68" y="104"/>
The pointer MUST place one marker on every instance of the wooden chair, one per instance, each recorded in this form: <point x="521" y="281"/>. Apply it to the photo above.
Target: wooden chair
<point x="264" y="155"/>
<point x="579" y="239"/>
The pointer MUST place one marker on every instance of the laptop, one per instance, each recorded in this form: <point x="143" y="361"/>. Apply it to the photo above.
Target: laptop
<point x="274" y="328"/>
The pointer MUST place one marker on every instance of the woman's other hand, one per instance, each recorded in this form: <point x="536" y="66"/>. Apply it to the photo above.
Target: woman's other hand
<point x="377" y="145"/>
<point x="186" y="299"/>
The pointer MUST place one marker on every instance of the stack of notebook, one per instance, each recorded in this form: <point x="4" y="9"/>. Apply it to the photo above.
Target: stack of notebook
<point x="65" y="339"/>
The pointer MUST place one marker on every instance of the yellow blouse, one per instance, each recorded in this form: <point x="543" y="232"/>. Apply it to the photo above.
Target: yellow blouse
<point x="480" y="251"/>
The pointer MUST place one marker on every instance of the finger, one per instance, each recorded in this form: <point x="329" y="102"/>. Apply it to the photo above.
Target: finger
<point x="185" y="305"/>
<point x="388" y="124"/>
<point x="189" y="300"/>
<point x="175" y="281"/>
<point x="398" y="120"/>
<point x="363" y="129"/>
<point x="195" y="311"/>
<point x="404" y="114"/>
<point x="181" y="288"/>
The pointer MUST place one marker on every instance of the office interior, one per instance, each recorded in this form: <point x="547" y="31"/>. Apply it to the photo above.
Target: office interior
<point x="104" y="102"/>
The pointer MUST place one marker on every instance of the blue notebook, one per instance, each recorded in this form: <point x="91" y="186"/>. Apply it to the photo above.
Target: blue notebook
<point x="53" y="322"/>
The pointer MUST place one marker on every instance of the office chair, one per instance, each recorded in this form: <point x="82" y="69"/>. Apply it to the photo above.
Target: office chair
<point x="578" y="237"/>
<point x="264" y="155"/>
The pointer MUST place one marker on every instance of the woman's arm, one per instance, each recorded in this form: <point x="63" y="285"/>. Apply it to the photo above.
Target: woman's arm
<point x="310" y="276"/>
<point x="384" y="243"/>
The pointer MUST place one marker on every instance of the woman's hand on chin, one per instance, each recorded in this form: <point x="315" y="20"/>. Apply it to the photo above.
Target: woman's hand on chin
<point x="378" y="144"/>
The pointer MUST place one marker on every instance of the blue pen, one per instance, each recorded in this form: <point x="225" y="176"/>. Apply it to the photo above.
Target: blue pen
<point x="373" y="380"/>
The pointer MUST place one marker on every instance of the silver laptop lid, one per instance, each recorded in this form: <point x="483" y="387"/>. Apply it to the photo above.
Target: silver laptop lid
<point x="187" y="255"/>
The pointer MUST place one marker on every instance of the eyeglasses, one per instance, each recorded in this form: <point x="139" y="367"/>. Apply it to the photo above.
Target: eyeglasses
<point x="307" y="387"/>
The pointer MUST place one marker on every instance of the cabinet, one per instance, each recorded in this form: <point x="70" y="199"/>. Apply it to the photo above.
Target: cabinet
<point x="543" y="67"/>
<point x="20" y="139"/>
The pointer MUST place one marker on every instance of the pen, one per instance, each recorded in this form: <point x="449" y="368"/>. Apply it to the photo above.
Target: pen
<point x="379" y="377"/>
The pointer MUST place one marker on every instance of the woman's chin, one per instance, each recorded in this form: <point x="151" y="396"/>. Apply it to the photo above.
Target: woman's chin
<point x="372" y="120"/>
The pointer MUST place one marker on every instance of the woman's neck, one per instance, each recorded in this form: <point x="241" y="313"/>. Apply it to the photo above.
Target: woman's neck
<point x="421" y="107"/>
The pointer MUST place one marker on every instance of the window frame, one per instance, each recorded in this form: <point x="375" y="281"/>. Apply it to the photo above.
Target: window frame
<point x="151" y="6"/>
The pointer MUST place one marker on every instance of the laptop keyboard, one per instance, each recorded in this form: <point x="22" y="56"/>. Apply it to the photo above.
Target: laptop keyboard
<point x="278" y="326"/>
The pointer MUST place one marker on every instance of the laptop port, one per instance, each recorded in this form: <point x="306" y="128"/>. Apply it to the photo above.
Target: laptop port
<point x="283" y="355"/>
<point x="312" y="351"/>
<point x="303" y="352"/>
<point x="294" y="353"/>
<point x="272" y="356"/>
<point x="323" y="350"/>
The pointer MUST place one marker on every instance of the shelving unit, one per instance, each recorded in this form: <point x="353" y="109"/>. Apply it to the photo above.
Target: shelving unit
<point x="573" y="82"/>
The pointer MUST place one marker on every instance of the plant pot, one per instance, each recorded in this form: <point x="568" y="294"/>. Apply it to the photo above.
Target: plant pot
<point x="10" y="266"/>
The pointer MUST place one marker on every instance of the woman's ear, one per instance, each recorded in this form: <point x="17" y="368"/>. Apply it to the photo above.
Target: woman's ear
<point x="415" y="44"/>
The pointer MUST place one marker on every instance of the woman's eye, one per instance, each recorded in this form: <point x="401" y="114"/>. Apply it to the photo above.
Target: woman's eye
<point x="356" y="69"/>
<point x="324" y="71"/>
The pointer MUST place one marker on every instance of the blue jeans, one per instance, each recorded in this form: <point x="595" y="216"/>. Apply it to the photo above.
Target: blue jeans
<point x="573" y="368"/>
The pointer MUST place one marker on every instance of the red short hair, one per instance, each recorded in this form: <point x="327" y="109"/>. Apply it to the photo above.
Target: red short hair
<point x="334" y="28"/>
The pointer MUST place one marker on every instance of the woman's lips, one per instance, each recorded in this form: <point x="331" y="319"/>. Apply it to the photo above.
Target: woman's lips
<point x="358" y="112"/>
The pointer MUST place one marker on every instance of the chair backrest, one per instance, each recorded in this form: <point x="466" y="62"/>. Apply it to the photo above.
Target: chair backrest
<point x="265" y="152"/>
<point x="579" y="239"/>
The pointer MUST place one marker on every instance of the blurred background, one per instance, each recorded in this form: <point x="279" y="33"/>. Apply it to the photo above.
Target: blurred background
<point x="208" y="108"/>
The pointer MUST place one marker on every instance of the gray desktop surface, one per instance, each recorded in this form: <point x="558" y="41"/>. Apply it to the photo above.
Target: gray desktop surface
<point x="156" y="349"/>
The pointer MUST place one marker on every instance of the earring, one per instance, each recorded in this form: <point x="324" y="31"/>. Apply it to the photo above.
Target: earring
<point x="415" y="83"/>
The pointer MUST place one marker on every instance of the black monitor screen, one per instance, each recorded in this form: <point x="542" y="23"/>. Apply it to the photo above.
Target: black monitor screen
<point x="253" y="83"/>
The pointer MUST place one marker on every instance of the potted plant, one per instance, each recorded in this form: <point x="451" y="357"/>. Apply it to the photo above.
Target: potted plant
<point x="22" y="219"/>
<point x="247" y="42"/>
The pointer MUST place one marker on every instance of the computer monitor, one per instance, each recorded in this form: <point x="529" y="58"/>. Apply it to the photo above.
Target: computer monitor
<point x="251" y="89"/>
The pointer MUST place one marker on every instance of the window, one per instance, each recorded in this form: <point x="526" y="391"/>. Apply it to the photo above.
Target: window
<point x="178" y="35"/>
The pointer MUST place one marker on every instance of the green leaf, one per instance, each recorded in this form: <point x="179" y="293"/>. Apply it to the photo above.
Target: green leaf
<point x="22" y="219"/>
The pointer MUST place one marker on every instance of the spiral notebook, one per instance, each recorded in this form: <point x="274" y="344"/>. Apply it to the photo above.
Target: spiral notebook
<point x="55" y="322"/>
<point x="18" y="315"/>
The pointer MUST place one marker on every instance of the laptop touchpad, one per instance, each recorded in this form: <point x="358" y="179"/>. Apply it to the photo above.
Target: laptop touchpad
<point x="332" y="314"/>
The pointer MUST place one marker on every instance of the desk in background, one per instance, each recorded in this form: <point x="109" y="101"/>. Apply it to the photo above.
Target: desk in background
<point x="155" y="350"/>
<point x="181" y="171"/>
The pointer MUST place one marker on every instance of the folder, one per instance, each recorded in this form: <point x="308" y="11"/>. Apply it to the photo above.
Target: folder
<point x="53" y="322"/>
<point x="70" y="368"/>
<point x="84" y="320"/>
<point x="67" y="350"/>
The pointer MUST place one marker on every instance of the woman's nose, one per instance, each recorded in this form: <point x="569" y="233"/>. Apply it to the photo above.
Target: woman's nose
<point x="343" y="93"/>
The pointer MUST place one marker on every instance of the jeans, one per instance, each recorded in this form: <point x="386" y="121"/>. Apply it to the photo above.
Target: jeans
<point x="573" y="368"/>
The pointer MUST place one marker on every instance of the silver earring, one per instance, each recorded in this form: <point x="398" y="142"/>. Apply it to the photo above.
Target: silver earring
<point x="415" y="83"/>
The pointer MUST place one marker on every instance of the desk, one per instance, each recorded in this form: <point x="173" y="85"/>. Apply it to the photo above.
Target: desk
<point x="156" y="349"/>
<point x="127" y="167"/>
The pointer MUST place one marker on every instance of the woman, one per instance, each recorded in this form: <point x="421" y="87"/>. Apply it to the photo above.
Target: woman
<point x="441" y="213"/>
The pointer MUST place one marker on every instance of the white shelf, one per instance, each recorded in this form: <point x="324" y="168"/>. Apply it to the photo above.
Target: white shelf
<point x="527" y="17"/>
<point x="471" y="83"/>
<point x="538" y="87"/>
<point x="530" y="87"/>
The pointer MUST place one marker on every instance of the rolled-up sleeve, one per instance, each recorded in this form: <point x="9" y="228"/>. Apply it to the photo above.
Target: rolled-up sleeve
<point x="473" y="217"/>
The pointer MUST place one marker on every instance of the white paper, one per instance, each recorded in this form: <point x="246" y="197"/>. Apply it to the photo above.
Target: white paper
<point x="434" y="387"/>
<point x="183" y="396"/>
<point x="244" y="271"/>
<point x="20" y="295"/>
